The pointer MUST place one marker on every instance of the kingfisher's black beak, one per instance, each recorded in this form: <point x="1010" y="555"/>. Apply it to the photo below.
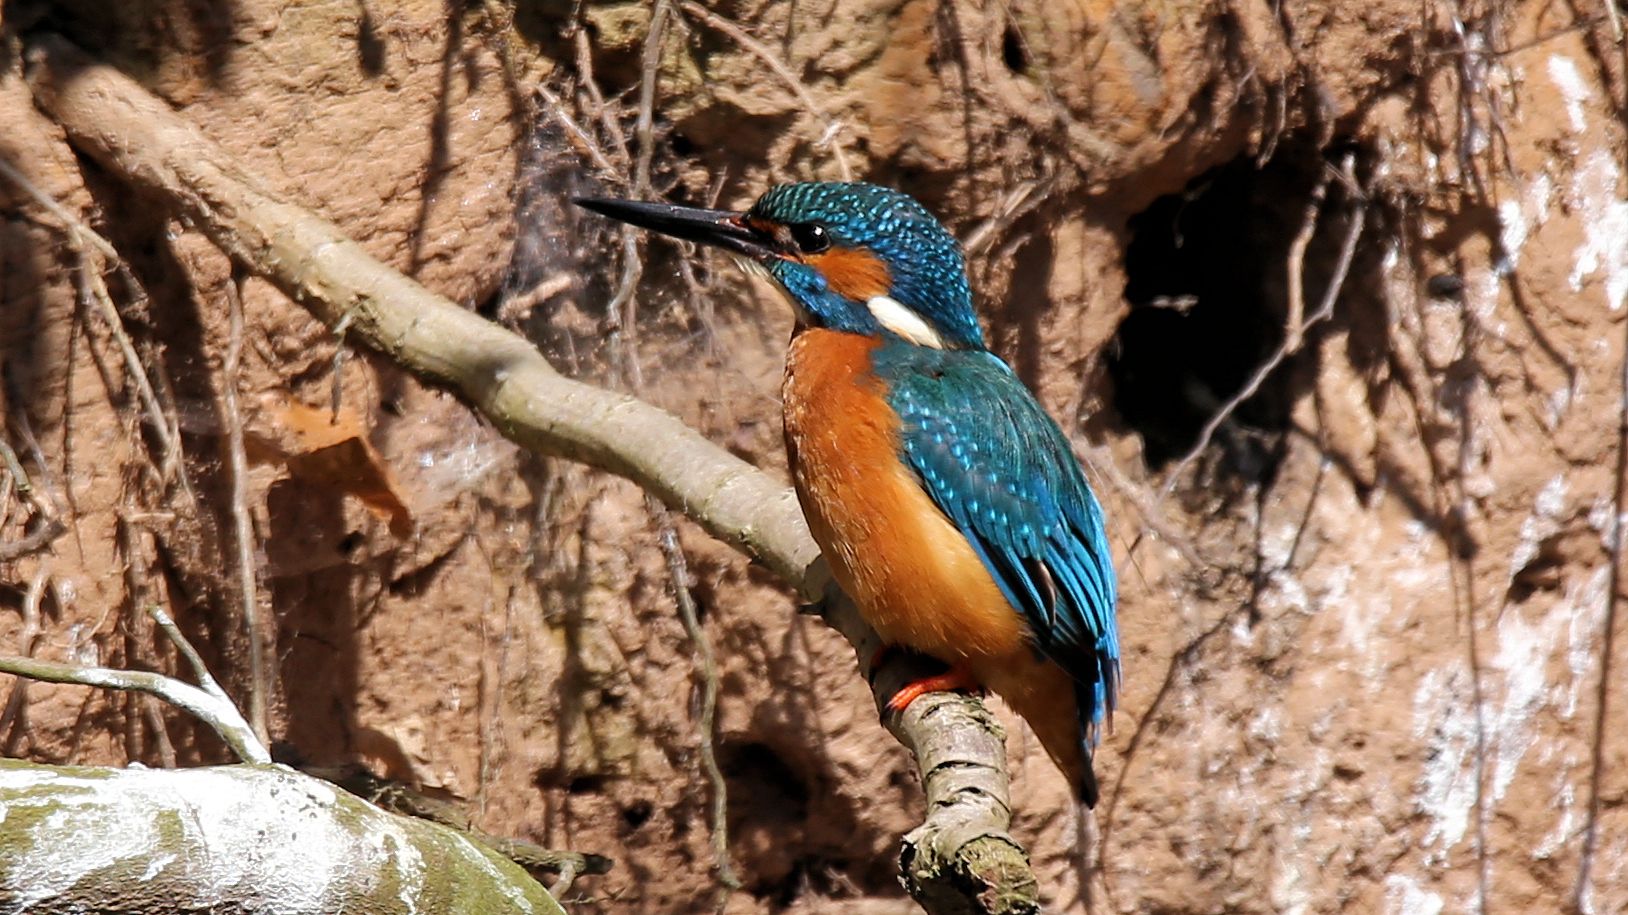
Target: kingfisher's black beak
<point x="720" y="228"/>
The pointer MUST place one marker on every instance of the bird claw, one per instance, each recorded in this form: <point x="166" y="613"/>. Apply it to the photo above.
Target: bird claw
<point x="954" y="679"/>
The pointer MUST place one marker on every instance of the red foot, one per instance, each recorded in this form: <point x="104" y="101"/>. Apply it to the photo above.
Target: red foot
<point x="953" y="679"/>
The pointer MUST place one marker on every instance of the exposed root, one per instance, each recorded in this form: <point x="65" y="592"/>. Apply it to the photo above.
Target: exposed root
<point x="678" y="570"/>
<point x="1017" y="203"/>
<point x="833" y="127"/>
<point x="601" y="111"/>
<point x="1294" y="324"/>
<point x="48" y="527"/>
<point x="1613" y="601"/>
<point x="583" y="141"/>
<point x="95" y="254"/>
<point x="242" y="524"/>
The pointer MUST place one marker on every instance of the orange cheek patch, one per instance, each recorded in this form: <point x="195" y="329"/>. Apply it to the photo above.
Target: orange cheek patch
<point x="853" y="273"/>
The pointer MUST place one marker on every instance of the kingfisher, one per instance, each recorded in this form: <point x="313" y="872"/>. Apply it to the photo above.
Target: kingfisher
<point x="947" y="502"/>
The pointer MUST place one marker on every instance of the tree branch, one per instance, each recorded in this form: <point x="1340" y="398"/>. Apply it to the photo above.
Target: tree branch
<point x="962" y="859"/>
<point x="137" y="137"/>
<point x="209" y="706"/>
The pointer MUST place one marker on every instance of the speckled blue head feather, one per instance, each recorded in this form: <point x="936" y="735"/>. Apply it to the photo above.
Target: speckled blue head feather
<point x="853" y="257"/>
<point x="928" y="274"/>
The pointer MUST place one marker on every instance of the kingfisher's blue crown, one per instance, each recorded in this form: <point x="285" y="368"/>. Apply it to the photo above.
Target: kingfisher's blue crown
<point x="927" y="272"/>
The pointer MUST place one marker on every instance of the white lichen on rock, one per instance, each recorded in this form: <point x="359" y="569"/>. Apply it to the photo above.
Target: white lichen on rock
<point x="248" y="838"/>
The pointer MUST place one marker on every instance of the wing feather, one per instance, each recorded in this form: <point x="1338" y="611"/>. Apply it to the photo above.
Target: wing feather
<point x="1003" y="472"/>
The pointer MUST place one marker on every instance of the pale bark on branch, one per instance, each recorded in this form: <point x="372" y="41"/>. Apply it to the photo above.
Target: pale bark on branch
<point x="962" y="858"/>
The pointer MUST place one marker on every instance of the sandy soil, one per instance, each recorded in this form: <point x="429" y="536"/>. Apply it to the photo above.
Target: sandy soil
<point x="1364" y="633"/>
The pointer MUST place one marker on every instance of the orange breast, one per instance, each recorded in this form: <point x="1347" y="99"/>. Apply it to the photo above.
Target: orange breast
<point x="912" y="573"/>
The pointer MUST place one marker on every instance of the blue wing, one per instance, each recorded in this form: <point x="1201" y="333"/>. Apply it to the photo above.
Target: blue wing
<point x="999" y="467"/>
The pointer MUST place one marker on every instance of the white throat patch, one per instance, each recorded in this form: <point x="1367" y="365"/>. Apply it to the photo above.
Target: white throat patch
<point x="903" y="321"/>
<point x="752" y="266"/>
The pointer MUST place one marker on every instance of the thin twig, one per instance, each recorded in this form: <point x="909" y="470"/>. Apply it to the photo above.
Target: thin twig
<point x="562" y="883"/>
<point x="644" y="127"/>
<point x="81" y="236"/>
<point x="242" y="524"/>
<point x="95" y="289"/>
<point x="756" y="48"/>
<point x="224" y="717"/>
<point x="602" y="111"/>
<point x="8" y="489"/>
<point x="136" y="579"/>
<point x="19" y="477"/>
<point x="155" y="718"/>
<point x="152" y="712"/>
<point x="576" y="132"/>
<point x="165" y="390"/>
<point x="206" y="681"/>
<point x="72" y="223"/>
<point x="1296" y="263"/>
<point x="50" y="526"/>
<point x="1017" y="202"/>
<point x="678" y="571"/>
<point x="31" y="444"/>
<point x="31" y="608"/>
<point x="623" y="310"/>
<point x="1359" y="212"/>
<point x="517" y="306"/>
<point x="622" y="307"/>
<point x="1136" y="495"/>
<point x="42" y="536"/>
<point x="336" y="369"/>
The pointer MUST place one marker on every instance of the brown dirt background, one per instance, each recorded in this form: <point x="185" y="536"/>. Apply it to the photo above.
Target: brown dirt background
<point x="1363" y="661"/>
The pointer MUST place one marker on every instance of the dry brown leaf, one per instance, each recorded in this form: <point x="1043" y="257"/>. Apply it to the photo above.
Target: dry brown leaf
<point x="332" y="450"/>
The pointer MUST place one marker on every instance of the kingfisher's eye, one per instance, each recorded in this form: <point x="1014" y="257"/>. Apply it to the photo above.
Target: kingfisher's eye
<point x="811" y="238"/>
